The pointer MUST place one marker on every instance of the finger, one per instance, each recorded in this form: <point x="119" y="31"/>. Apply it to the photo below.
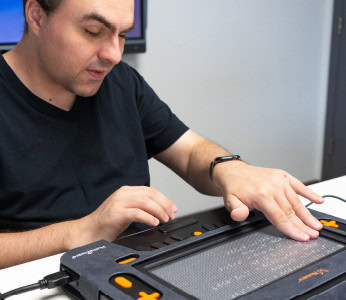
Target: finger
<point x="294" y="219"/>
<point x="149" y="206"/>
<point x="278" y="218"/>
<point x="138" y="215"/>
<point x="164" y="202"/>
<point x="239" y="211"/>
<point x="313" y="234"/>
<point x="175" y="208"/>
<point x="303" y="190"/>
<point x="290" y="212"/>
<point x="301" y="211"/>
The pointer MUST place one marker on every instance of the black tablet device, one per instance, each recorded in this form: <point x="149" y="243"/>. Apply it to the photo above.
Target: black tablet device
<point x="209" y="256"/>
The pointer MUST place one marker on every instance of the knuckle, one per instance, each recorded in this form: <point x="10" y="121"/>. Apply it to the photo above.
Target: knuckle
<point x="280" y="172"/>
<point x="281" y="219"/>
<point x="279" y="176"/>
<point x="128" y="214"/>
<point x="263" y="193"/>
<point x="154" y="192"/>
<point x="148" y="192"/>
<point x="296" y="205"/>
<point x="134" y="215"/>
<point x="144" y="202"/>
<point x="290" y="213"/>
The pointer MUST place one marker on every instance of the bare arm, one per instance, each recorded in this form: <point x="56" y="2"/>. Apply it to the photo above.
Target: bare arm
<point x="21" y="247"/>
<point x="190" y="158"/>
<point x="126" y="205"/>
<point x="244" y="187"/>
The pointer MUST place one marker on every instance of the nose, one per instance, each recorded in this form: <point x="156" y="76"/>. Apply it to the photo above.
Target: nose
<point x="112" y="51"/>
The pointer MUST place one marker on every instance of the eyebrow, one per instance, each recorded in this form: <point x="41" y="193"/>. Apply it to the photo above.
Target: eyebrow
<point x="107" y="24"/>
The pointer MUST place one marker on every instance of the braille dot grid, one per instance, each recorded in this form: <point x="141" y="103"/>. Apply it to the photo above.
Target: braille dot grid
<point x="238" y="267"/>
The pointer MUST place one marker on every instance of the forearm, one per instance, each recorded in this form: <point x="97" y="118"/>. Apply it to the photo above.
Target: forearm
<point x="126" y="205"/>
<point x="197" y="172"/>
<point x="190" y="157"/>
<point x="21" y="247"/>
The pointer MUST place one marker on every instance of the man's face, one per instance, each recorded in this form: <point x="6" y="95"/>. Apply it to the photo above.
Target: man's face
<point x="82" y="41"/>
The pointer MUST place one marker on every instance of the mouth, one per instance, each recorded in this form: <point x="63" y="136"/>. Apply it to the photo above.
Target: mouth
<point x="97" y="74"/>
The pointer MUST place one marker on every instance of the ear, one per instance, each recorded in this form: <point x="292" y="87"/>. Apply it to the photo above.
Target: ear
<point x="34" y="15"/>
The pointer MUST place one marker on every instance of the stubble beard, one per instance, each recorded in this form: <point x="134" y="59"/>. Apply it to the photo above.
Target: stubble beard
<point x="71" y="83"/>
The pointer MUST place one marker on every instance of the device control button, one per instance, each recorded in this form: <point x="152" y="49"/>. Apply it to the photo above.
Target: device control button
<point x="145" y="296"/>
<point x="126" y="261"/>
<point x="143" y="248"/>
<point x="169" y="241"/>
<point x="197" y="233"/>
<point x="157" y="245"/>
<point x="176" y="225"/>
<point x="177" y="237"/>
<point x="331" y="223"/>
<point x="208" y="227"/>
<point x="219" y="224"/>
<point x="123" y="282"/>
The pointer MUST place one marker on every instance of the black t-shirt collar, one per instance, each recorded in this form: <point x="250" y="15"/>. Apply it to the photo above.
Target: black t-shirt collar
<point x="34" y="101"/>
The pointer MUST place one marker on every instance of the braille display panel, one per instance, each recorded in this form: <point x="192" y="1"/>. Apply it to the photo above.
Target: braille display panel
<point x="240" y="266"/>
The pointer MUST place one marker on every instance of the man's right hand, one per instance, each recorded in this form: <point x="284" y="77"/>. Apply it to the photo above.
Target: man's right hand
<point x="126" y="205"/>
<point x="113" y="216"/>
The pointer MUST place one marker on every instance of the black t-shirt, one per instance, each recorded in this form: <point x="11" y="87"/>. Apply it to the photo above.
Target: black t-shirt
<point x="57" y="165"/>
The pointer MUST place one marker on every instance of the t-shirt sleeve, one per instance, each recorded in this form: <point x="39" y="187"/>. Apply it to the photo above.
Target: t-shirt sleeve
<point x="161" y="127"/>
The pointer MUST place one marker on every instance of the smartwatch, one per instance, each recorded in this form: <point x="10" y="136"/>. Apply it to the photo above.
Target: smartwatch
<point x="221" y="159"/>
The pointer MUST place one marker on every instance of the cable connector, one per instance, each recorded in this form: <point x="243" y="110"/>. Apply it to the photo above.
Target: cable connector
<point x="48" y="282"/>
<point x="55" y="280"/>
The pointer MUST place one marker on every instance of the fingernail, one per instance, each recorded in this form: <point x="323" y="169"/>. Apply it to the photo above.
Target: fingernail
<point x="314" y="234"/>
<point x="318" y="224"/>
<point x="304" y="236"/>
<point x="175" y="208"/>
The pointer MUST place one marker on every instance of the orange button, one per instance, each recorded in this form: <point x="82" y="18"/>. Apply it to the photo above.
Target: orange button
<point x="330" y="223"/>
<point x="145" y="296"/>
<point x="123" y="282"/>
<point x="197" y="233"/>
<point x="126" y="261"/>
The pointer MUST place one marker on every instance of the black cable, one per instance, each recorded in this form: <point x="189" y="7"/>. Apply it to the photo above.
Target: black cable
<point x="328" y="196"/>
<point x="21" y="290"/>
<point x="48" y="282"/>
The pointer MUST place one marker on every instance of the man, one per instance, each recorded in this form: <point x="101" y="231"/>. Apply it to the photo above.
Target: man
<point x="77" y="128"/>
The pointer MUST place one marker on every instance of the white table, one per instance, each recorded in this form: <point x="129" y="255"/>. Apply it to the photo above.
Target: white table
<point x="32" y="272"/>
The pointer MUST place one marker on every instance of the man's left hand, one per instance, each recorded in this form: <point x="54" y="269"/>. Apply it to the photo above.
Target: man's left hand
<point x="273" y="192"/>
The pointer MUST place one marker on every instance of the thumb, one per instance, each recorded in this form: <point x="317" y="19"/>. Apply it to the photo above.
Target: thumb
<point x="239" y="211"/>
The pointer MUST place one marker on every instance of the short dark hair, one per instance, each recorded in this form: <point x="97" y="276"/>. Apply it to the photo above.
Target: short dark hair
<point x="48" y="6"/>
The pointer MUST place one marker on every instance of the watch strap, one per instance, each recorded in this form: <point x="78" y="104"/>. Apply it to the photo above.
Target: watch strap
<point x="221" y="159"/>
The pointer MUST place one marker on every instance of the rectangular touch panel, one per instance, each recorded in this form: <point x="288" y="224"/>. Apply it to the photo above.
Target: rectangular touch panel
<point x="237" y="267"/>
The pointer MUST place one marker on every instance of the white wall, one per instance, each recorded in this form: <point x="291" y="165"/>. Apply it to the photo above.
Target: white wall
<point x="248" y="74"/>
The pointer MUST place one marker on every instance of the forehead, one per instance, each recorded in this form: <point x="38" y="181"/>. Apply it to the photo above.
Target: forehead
<point x="115" y="11"/>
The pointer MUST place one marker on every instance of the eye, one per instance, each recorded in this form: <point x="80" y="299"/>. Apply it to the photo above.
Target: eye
<point x="92" y="33"/>
<point x="123" y="36"/>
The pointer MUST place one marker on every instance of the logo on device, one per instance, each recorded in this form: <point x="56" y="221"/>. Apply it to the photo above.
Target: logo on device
<point x="317" y="272"/>
<point x="89" y="252"/>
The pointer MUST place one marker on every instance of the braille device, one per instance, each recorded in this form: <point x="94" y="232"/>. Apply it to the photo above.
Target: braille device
<point x="209" y="256"/>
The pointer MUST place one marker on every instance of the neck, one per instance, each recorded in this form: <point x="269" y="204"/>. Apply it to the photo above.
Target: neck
<point x="23" y="60"/>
